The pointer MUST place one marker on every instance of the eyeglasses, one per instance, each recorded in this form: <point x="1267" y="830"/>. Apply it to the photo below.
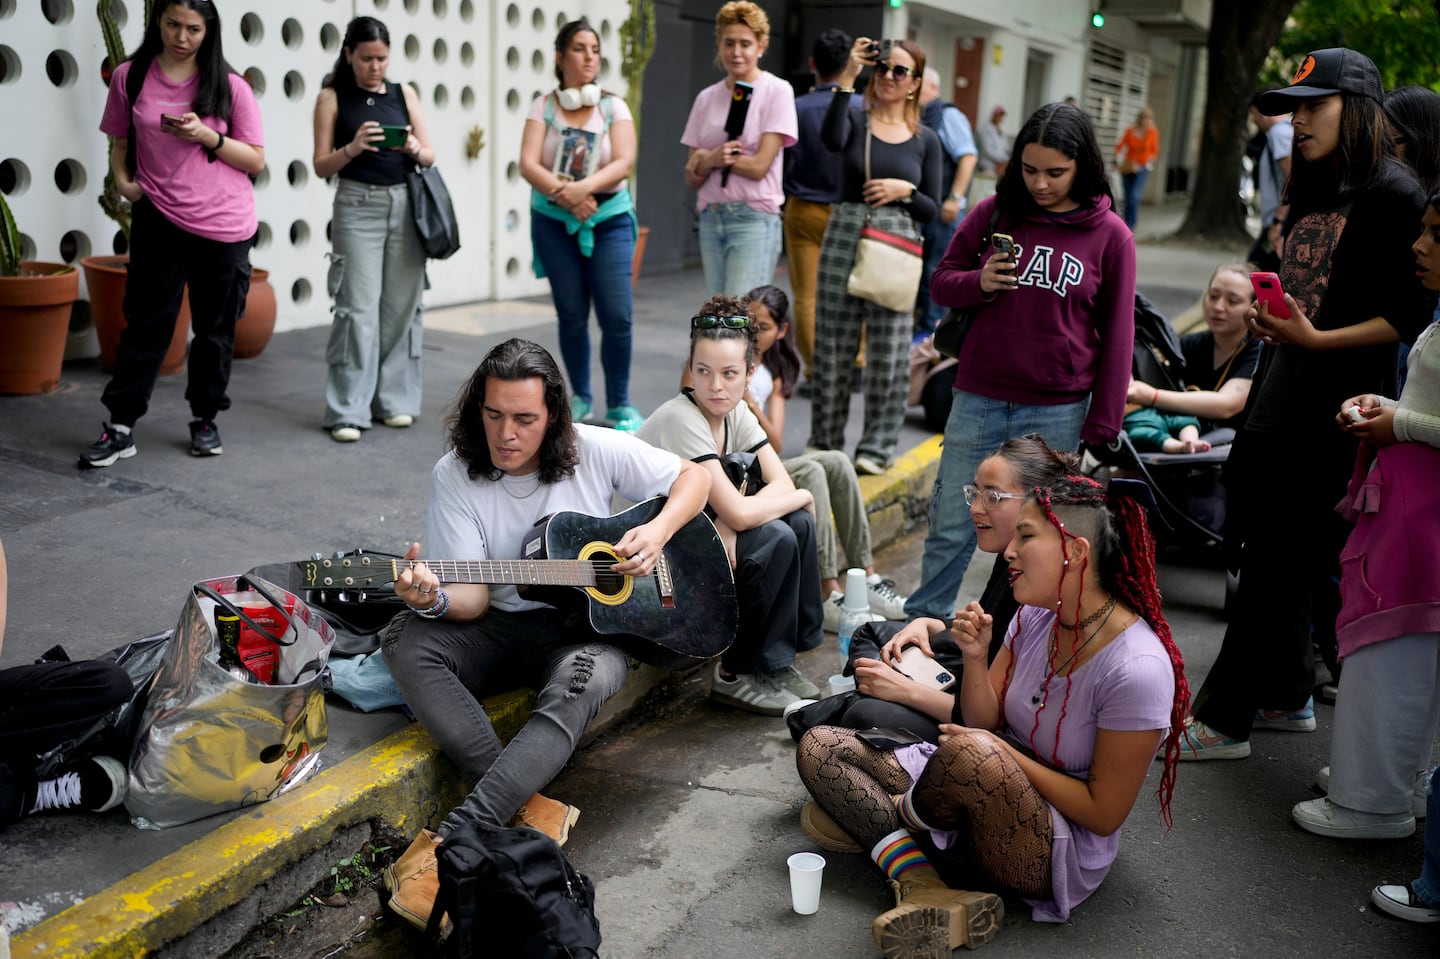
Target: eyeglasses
<point x="897" y="70"/>
<point x="989" y="498"/>
<point x="709" y="321"/>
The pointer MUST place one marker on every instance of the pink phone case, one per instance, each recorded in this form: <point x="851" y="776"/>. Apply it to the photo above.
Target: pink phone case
<point x="921" y="668"/>
<point x="1268" y="291"/>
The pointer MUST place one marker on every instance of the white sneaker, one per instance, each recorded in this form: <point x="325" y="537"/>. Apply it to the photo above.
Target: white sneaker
<point x="867" y="465"/>
<point x="399" y="420"/>
<point x="1418" y="799"/>
<point x="835" y="608"/>
<point x="884" y="599"/>
<point x="1324" y="818"/>
<point x="1402" y="903"/>
<point x="345" y="433"/>
<point x="751" y="692"/>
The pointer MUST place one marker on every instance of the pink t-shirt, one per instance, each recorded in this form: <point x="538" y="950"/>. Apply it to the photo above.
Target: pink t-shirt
<point x="772" y="110"/>
<point x="595" y="124"/>
<point x="213" y="200"/>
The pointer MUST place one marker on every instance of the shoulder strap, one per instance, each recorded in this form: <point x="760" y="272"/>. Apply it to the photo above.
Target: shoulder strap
<point x="550" y="109"/>
<point x="606" y="110"/>
<point x="134" y="83"/>
<point x="867" y="150"/>
<point x="400" y="92"/>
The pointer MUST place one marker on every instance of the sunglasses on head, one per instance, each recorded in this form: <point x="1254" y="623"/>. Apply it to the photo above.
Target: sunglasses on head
<point x="896" y="70"/>
<point x="709" y="321"/>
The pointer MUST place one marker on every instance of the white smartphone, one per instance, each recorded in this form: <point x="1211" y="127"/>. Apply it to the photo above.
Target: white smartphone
<point x="924" y="670"/>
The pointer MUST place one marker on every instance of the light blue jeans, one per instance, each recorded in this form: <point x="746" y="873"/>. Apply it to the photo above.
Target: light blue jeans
<point x="739" y="247"/>
<point x="377" y="274"/>
<point x="976" y="428"/>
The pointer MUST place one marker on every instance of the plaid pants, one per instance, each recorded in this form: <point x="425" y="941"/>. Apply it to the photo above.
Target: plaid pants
<point x="839" y="319"/>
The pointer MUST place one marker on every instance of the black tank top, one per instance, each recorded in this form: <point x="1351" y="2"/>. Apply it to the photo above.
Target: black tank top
<point x="354" y="107"/>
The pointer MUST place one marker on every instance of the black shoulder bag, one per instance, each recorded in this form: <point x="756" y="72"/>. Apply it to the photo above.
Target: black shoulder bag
<point x="950" y="331"/>
<point x="430" y="205"/>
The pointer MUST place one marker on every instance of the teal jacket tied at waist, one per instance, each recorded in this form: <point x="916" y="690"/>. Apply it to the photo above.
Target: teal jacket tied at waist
<point x="617" y="205"/>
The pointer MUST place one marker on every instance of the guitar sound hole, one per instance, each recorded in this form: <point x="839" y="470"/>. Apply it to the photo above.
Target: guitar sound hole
<point x="608" y="583"/>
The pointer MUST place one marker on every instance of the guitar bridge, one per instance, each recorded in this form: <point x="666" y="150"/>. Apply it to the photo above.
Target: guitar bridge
<point x="663" y="583"/>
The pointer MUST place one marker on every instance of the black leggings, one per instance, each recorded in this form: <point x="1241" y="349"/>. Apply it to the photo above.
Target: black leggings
<point x="971" y="785"/>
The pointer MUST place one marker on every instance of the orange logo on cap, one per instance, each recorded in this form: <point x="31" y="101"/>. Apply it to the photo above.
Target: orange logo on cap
<point x="1306" y="68"/>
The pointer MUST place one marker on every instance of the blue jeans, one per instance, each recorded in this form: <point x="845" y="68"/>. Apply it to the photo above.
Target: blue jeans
<point x="1427" y="887"/>
<point x="937" y="240"/>
<point x="577" y="281"/>
<point x="739" y="247"/>
<point x="1134" y="183"/>
<point x="976" y="428"/>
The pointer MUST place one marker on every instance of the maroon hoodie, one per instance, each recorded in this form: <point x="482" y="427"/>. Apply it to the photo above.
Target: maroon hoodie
<point x="1068" y="331"/>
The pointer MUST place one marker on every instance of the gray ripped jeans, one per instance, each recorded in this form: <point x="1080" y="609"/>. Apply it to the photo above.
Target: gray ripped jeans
<point x="445" y="669"/>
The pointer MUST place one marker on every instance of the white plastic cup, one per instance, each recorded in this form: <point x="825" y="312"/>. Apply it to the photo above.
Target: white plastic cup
<point x="805" y="870"/>
<point x="840" y="683"/>
<point x="857" y="592"/>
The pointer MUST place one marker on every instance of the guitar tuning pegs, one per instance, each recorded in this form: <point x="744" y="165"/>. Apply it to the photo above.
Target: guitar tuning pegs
<point x="339" y="554"/>
<point x="317" y="556"/>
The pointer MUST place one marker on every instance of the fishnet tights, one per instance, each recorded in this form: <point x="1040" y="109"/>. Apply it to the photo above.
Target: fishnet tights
<point x="972" y="784"/>
<point x="852" y="781"/>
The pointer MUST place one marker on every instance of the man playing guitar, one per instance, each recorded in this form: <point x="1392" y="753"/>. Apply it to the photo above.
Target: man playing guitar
<point x="516" y="456"/>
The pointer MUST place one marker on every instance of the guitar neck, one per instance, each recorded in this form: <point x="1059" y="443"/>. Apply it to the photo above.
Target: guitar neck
<point x="521" y="572"/>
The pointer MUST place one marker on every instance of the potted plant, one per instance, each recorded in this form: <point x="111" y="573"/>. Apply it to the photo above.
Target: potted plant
<point x="35" y="303"/>
<point x="637" y="46"/>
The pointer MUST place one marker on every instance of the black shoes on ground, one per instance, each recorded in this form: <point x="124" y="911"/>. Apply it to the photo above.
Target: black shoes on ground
<point x="114" y="445"/>
<point x="205" y="439"/>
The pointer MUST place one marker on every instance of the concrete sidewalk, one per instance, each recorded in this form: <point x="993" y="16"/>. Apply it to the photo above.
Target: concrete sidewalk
<point x="99" y="558"/>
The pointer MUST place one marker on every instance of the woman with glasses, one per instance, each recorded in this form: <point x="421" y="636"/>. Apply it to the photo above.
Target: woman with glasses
<point x="890" y="180"/>
<point x="1049" y="348"/>
<point x="770" y="531"/>
<point x="737" y="176"/>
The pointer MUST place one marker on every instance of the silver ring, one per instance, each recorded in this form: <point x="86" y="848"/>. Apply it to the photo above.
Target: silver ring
<point x="417" y="587"/>
<point x="640" y="557"/>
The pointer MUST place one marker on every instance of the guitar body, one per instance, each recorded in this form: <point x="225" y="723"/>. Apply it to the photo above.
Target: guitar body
<point x="685" y="611"/>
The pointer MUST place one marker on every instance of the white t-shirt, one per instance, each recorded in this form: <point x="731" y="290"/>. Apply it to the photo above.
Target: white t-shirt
<point x="480" y="519"/>
<point x="762" y="384"/>
<point x="596" y="124"/>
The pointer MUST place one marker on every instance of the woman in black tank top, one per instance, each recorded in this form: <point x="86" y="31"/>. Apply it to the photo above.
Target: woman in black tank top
<point x="368" y="132"/>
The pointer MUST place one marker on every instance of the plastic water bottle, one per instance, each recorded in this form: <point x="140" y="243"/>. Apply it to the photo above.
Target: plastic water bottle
<point x="855" y="612"/>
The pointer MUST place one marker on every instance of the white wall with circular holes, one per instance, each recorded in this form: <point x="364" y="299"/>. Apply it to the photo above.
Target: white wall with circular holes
<point x="473" y="62"/>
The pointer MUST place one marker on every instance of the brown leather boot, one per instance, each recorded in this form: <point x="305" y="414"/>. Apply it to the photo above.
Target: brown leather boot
<point x="817" y="824"/>
<point x="550" y="816"/>
<point x="414" y="880"/>
<point x="930" y="919"/>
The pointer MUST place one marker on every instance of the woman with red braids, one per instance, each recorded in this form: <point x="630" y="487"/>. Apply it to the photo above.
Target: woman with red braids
<point x="1060" y="732"/>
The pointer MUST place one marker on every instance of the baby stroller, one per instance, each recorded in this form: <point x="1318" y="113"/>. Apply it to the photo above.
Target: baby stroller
<point x="1186" y="486"/>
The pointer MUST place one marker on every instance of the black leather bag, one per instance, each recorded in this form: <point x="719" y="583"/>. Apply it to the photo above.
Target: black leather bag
<point x="950" y="331"/>
<point x="744" y="471"/>
<point x="433" y="212"/>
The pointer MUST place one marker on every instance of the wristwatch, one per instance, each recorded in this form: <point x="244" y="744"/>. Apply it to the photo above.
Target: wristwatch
<point x="954" y="196"/>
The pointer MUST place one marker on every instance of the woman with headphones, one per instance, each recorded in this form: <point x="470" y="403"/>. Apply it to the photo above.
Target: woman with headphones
<point x="578" y="149"/>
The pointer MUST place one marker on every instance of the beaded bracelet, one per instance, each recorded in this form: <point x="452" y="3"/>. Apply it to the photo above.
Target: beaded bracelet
<point x="442" y="605"/>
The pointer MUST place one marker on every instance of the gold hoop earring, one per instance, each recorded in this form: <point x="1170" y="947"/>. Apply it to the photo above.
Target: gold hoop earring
<point x="911" y="95"/>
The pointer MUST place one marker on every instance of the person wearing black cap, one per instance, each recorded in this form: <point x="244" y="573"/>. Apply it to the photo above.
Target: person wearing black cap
<point x="1352" y="293"/>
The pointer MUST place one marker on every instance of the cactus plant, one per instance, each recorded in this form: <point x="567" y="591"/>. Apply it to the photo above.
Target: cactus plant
<point x="116" y="207"/>
<point x="9" y="241"/>
<point x="637" y="45"/>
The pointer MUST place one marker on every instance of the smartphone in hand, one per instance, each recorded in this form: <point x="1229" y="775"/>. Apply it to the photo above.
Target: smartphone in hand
<point x="1004" y="246"/>
<point x="1268" y="291"/>
<point x="168" y="120"/>
<point x="924" y="670"/>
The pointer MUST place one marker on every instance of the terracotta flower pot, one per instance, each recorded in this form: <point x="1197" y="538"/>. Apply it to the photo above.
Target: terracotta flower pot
<point x="34" y="324"/>
<point x="257" y="323"/>
<point x="105" y="277"/>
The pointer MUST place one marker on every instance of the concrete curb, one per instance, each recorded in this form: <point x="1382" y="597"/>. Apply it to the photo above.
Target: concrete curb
<point x="217" y="888"/>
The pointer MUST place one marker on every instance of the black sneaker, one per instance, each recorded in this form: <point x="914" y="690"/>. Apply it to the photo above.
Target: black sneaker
<point x="94" y="785"/>
<point x="111" y="446"/>
<point x="205" y="439"/>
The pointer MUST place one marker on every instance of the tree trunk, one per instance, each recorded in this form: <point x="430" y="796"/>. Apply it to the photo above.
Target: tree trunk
<point x="1241" y="34"/>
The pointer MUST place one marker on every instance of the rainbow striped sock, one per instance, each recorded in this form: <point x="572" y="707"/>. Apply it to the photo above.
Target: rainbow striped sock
<point x="905" y="807"/>
<point x="897" y="854"/>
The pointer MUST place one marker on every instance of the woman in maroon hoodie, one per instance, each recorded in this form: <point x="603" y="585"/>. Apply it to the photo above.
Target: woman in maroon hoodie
<point x="1049" y="350"/>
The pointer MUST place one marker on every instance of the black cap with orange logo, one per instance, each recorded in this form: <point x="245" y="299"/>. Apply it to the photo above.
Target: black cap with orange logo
<point x="1324" y="73"/>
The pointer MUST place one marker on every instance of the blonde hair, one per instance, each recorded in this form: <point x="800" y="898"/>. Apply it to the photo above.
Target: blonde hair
<point x="912" y="104"/>
<point x="746" y="14"/>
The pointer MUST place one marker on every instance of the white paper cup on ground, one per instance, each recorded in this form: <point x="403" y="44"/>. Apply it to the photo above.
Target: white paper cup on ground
<point x="805" y="870"/>
<point x="840" y="683"/>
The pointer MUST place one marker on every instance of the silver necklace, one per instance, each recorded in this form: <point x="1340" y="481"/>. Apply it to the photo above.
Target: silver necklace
<point x="512" y="491"/>
<point x="1104" y="611"/>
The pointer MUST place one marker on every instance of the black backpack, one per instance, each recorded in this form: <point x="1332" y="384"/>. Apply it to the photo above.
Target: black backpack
<point x="510" y="891"/>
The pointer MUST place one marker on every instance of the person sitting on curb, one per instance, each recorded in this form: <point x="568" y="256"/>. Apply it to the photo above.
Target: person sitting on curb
<point x="515" y="457"/>
<point x="42" y="706"/>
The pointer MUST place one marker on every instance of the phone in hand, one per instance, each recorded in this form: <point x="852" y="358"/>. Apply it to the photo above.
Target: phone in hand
<point x="395" y="136"/>
<point x="877" y="50"/>
<point x="1268" y="291"/>
<point x="1004" y="246"/>
<point x="924" y="670"/>
<point x="168" y="120"/>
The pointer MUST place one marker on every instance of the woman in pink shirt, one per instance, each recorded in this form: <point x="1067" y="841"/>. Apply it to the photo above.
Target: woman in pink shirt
<point x="738" y="179"/>
<point x="195" y="129"/>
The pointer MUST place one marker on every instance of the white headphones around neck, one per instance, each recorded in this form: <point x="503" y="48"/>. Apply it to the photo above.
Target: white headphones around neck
<point x="572" y="99"/>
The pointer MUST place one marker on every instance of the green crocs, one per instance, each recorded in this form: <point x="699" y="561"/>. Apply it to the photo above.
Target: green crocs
<point x="626" y="419"/>
<point x="579" y="408"/>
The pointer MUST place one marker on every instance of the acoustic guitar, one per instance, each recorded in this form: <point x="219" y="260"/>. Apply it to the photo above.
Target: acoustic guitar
<point x="683" y="612"/>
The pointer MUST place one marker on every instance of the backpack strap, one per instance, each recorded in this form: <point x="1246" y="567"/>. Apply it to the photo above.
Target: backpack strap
<point x="606" y="112"/>
<point x="550" y="109"/>
<point x="134" y="83"/>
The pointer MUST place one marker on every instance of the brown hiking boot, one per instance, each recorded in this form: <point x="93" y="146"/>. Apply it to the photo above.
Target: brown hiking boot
<point x="414" y="880"/>
<point x="931" y="919"/>
<point x="817" y="824"/>
<point x="550" y="816"/>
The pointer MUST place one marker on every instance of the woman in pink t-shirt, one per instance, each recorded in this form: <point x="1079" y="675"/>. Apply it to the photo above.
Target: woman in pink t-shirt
<point x="195" y="129"/>
<point x="737" y="179"/>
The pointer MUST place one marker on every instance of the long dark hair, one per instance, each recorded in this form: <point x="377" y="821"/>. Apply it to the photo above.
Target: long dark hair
<point x="782" y="359"/>
<point x="513" y="360"/>
<point x="724" y="305"/>
<point x="1364" y="147"/>
<point x="1414" y="115"/>
<point x="357" y="31"/>
<point x="212" y="99"/>
<point x="1065" y="128"/>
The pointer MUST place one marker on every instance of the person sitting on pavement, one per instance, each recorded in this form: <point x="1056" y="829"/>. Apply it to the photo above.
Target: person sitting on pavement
<point x="516" y="456"/>
<point x="1419" y="899"/>
<point x="1060" y="733"/>
<point x="770" y="532"/>
<point x="43" y="706"/>
<point x="885" y="697"/>
<point x="840" y="515"/>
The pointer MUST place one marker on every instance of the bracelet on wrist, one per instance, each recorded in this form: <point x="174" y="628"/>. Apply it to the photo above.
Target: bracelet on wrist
<point x="440" y="607"/>
<point x="1155" y="396"/>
